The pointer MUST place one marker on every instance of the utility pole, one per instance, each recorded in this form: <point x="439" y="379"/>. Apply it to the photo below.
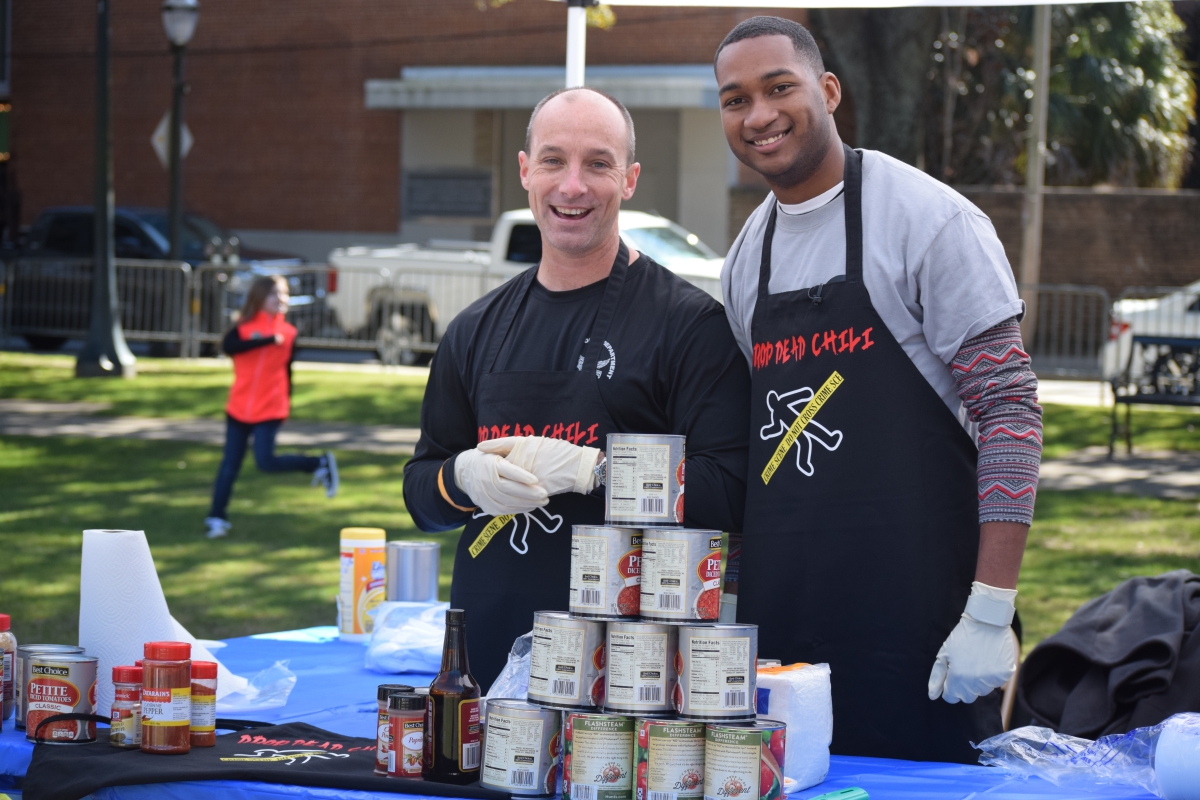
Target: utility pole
<point x="1035" y="175"/>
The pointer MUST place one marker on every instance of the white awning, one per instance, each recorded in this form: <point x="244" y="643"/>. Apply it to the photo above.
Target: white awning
<point x="637" y="86"/>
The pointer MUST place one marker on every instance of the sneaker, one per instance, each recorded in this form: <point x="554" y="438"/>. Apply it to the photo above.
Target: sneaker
<point x="327" y="474"/>
<point x="217" y="527"/>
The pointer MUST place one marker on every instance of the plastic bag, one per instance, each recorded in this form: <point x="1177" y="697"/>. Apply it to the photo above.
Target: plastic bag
<point x="1126" y="758"/>
<point x="513" y="681"/>
<point x="268" y="689"/>
<point x="407" y="637"/>
<point x="800" y="695"/>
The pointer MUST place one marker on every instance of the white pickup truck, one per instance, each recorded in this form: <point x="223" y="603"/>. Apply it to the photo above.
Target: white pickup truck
<point x="403" y="297"/>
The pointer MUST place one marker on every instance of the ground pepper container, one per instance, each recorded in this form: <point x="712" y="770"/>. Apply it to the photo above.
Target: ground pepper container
<point x="383" y="726"/>
<point x="8" y="663"/>
<point x="203" y="729"/>
<point x="406" y="721"/>
<point x="125" y="730"/>
<point x="166" y="698"/>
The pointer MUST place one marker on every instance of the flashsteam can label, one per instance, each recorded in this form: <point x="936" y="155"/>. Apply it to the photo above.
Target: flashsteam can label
<point x="670" y="760"/>
<point x="744" y="762"/>
<point x="598" y="764"/>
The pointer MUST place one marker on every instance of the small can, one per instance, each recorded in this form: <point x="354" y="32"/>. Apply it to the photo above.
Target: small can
<point x="383" y="724"/>
<point x="717" y="672"/>
<point x="21" y="671"/>
<point x="744" y="762"/>
<point x="670" y="760"/>
<point x="566" y="661"/>
<point x="522" y="749"/>
<point x="606" y="569"/>
<point x="645" y="479"/>
<point x="641" y="674"/>
<point x="598" y="760"/>
<point x="63" y="683"/>
<point x="406" y="720"/>
<point x="681" y="574"/>
<point x="125" y="730"/>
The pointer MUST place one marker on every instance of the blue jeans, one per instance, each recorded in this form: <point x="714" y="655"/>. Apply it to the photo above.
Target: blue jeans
<point x="237" y="436"/>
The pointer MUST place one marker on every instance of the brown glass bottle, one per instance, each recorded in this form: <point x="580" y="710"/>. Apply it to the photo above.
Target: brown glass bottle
<point x="452" y="725"/>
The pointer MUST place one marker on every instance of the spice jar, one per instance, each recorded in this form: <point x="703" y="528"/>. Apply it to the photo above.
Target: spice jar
<point x="125" y="730"/>
<point x="166" y="698"/>
<point x="204" y="704"/>
<point x="383" y="729"/>
<point x="406" y="716"/>
<point x="8" y="655"/>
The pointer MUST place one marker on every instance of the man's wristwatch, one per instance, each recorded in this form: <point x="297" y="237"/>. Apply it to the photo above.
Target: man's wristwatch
<point x="601" y="471"/>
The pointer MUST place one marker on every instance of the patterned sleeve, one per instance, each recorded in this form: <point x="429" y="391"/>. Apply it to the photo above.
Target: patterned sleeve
<point x="997" y="385"/>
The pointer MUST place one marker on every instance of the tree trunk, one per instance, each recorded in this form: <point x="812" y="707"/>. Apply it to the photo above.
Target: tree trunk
<point x="881" y="56"/>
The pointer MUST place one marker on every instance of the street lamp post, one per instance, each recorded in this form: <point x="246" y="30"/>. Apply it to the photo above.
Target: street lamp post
<point x="179" y="19"/>
<point x="105" y="353"/>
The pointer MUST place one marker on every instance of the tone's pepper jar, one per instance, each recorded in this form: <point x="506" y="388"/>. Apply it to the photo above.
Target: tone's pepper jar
<point x="125" y="730"/>
<point x="166" y="698"/>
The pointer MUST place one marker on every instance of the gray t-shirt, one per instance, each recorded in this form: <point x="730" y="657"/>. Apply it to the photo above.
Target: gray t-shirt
<point x="932" y="263"/>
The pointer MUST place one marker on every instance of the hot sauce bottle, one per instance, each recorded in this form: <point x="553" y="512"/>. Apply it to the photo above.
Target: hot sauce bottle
<point x="452" y="723"/>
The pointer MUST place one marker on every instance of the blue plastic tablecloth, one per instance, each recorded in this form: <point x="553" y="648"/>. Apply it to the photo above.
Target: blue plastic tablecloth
<point x="333" y="691"/>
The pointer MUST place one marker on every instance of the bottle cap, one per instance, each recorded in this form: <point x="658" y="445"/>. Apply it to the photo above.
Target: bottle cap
<point x="5" y="621"/>
<point x="167" y="651"/>
<point x="204" y="670"/>
<point x="127" y="674"/>
<point x="369" y="534"/>
<point x="386" y="690"/>
<point x="406" y="701"/>
<point x="456" y="616"/>
<point x="138" y="663"/>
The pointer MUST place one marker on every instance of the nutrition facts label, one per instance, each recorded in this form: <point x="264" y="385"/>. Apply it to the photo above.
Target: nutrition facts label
<point x="513" y="751"/>
<point x="639" y="480"/>
<point x="637" y="669"/>
<point x="664" y="576"/>
<point x="556" y="662"/>
<point x="719" y="674"/>
<point x="589" y="571"/>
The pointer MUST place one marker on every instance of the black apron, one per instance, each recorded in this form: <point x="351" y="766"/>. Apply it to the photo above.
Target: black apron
<point x="862" y="512"/>
<point x="507" y="567"/>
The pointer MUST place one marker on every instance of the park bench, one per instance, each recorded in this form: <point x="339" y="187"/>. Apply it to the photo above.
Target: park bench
<point x="1160" y="371"/>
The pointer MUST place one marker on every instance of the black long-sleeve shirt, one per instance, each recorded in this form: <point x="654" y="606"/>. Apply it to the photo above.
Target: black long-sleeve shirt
<point x="678" y="371"/>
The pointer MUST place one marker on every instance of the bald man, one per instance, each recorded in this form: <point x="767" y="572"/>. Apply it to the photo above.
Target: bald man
<point x="595" y="339"/>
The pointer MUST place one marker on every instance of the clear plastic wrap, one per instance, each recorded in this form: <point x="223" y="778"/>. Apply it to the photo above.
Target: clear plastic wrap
<point x="513" y="680"/>
<point x="407" y="637"/>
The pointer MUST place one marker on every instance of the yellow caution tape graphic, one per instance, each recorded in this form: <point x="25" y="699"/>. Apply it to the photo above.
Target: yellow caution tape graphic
<point x="485" y="535"/>
<point x="827" y="389"/>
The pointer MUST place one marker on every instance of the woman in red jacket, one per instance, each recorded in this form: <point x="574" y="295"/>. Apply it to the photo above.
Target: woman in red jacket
<point x="262" y="346"/>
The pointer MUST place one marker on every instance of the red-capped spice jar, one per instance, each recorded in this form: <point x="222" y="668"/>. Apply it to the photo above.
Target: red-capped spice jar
<point x="126" y="727"/>
<point x="166" y="698"/>
<point x="204" y="704"/>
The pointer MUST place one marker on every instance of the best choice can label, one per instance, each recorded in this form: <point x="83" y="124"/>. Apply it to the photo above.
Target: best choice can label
<point x="670" y="760"/>
<point x="637" y="670"/>
<point x="513" y="756"/>
<point x="719" y="677"/>
<point x="169" y="707"/>
<point x="556" y="663"/>
<point x="599" y="757"/>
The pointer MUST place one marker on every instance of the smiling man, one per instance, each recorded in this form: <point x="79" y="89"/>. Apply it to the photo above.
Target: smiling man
<point x="895" y="434"/>
<point x="595" y="339"/>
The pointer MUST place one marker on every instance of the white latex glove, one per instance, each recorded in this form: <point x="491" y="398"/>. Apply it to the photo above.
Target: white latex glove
<point x="559" y="466"/>
<point x="497" y="486"/>
<point x="981" y="652"/>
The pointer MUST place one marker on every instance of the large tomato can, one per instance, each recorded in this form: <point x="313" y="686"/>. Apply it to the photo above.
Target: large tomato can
<point x="63" y="683"/>
<point x="21" y="671"/>
<point x="681" y="574"/>
<point x="641" y="674"/>
<point x="606" y="569"/>
<point x="670" y="760"/>
<point x="522" y="749"/>
<point x="598" y="760"/>
<point x="744" y="762"/>
<point x="566" y="661"/>
<point x="717" y="666"/>
<point x="645" y="479"/>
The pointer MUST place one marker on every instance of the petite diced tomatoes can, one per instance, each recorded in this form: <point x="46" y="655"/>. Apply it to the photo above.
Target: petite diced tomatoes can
<point x="567" y="661"/>
<point x="606" y="569"/>
<point x="681" y="575"/>
<point x="522" y="749"/>
<point x="744" y="762"/>
<point x="60" y="684"/>
<point x="645" y="479"/>
<point x="717" y="665"/>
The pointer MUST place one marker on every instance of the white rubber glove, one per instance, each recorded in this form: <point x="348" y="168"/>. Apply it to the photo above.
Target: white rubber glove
<point x="498" y="486"/>
<point x="559" y="466"/>
<point x="981" y="652"/>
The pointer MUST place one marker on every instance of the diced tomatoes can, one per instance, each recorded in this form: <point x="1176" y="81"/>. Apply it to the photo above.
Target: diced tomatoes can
<point x="640" y="678"/>
<point x="669" y="760"/>
<point x="567" y="661"/>
<point x="61" y="683"/>
<point x="606" y="570"/>
<point x="645" y="479"/>
<point x="522" y="749"/>
<point x="21" y="671"/>
<point x="717" y="672"/>
<point x="598" y="756"/>
<point x="744" y="762"/>
<point x="681" y="574"/>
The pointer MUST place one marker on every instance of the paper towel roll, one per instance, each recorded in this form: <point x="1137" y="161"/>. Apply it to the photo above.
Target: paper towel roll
<point x="121" y="607"/>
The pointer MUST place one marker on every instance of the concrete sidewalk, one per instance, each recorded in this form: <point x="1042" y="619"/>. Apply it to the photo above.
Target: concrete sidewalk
<point x="37" y="418"/>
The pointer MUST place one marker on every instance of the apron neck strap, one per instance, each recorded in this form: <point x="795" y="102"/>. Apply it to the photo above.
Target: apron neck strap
<point x="852" y="191"/>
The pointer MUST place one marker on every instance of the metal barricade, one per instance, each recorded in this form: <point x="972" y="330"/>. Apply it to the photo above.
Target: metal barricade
<point x="1070" y="331"/>
<point x="49" y="300"/>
